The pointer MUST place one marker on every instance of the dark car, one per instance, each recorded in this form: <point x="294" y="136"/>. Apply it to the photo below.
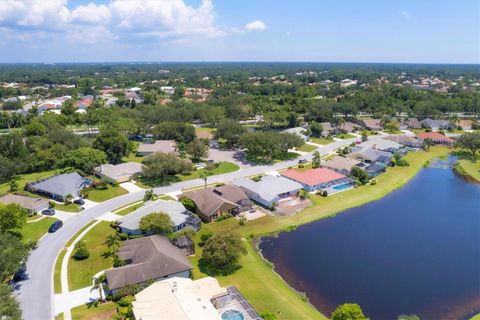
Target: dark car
<point x="21" y="274"/>
<point x="79" y="202"/>
<point x="48" y="212"/>
<point x="55" y="226"/>
<point x="302" y="161"/>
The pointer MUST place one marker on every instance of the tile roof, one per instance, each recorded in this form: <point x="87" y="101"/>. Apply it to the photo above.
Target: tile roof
<point x="313" y="177"/>
<point x="435" y="136"/>
<point x="340" y="163"/>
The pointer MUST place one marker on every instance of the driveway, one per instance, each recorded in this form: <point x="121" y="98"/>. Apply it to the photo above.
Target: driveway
<point x="66" y="301"/>
<point x="35" y="294"/>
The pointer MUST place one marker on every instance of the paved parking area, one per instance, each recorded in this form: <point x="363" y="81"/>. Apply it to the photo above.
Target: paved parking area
<point x="252" y="215"/>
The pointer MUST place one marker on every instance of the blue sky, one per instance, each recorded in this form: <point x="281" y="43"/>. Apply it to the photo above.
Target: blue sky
<point x="441" y="31"/>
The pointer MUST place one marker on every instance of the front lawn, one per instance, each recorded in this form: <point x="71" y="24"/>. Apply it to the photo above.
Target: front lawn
<point x="72" y="207"/>
<point x="307" y="148"/>
<point x="223" y="167"/>
<point x="130" y="209"/>
<point x="80" y="273"/>
<point x="104" y="311"/>
<point x="26" y="178"/>
<point x="344" y="136"/>
<point x="35" y="230"/>
<point x="57" y="273"/>
<point x="132" y="156"/>
<point x="321" y="141"/>
<point x="107" y="194"/>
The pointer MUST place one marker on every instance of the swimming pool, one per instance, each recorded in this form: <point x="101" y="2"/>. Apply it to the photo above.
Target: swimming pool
<point x="232" y="315"/>
<point x="341" y="187"/>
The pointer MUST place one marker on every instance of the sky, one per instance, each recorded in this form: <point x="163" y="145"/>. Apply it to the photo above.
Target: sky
<point x="405" y="31"/>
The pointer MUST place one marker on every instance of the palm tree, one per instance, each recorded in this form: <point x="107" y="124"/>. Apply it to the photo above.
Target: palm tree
<point x="98" y="285"/>
<point x="316" y="160"/>
<point x="112" y="242"/>
<point x="68" y="198"/>
<point x="427" y="143"/>
<point x="204" y="177"/>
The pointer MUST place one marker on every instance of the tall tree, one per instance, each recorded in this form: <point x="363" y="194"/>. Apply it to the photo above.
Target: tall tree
<point x="348" y="311"/>
<point x="12" y="216"/>
<point x="223" y="250"/>
<point x="316" y="160"/>
<point x="113" y="143"/>
<point x="156" y="223"/>
<point x="471" y="142"/>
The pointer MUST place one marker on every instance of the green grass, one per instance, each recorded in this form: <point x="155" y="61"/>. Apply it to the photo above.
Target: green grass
<point x="80" y="273"/>
<point x="255" y="274"/>
<point x="102" y="311"/>
<point x="35" y="230"/>
<point x="59" y="316"/>
<point x="124" y="212"/>
<point x="200" y="130"/>
<point x="25" y="178"/>
<point x="69" y="243"/>
<point x="469" y="168"/>
<point x="307" y="148"/>
<point x="321" y="140"/>
<point x="72" y="207"/>
<point x="132" y="156"/>
<point x="476" y="317"/>
<point x="166" y="197"/>
<point x="103" y="195"/>
<point x="223" y="167"/>
<point x="344" y="136"/>
<point x="57" y="273"/>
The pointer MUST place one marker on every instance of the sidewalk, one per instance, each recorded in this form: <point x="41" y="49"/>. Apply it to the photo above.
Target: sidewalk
<point x="66" y="301"/>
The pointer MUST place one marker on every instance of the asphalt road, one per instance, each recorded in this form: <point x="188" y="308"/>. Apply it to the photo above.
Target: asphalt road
<point x="36" y="293"/>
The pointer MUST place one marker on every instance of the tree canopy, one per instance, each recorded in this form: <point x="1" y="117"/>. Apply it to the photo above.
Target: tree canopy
<point x="223" y="250"/>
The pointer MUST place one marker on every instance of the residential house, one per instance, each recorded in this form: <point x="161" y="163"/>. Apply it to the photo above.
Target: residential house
<point x="132" y="95"/>
<point x="179" y="215"/>
<point x="340" y="164"/>
<point x="370" y="155"/>
<point x="384" y="145"/>
<point x="372" y="169"/>
<point x="299" y="131"/>
<point x="437" y="124"/>
<point x="269" y="190"/>
<point x="60" y="186"/>
<point x="122" y="172"/>
<point x="147" y="259"/>
<point x="85" y="103"/>
<point x="33" y="205"/>
<point x="327" y="129"/>
<point x="165" y="146"/>
<point x="408" y="141"/>
<point x="465" y="124"/>
<point x="186" y="299"/>
<point x="348" y="127"/>
<point x="320" y="179"/>
<point x="410" y="123"/>
<point x="436" y="137"/>
<point x="371" y="124"/>
<point x="213" y="202"/>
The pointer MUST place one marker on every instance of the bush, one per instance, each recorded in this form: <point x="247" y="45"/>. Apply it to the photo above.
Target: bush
<point x="224" y="217"/>
<point x="220" y="184"/>
<point x="211" y="166"/>
<point x="188" y="204"/>
<point x="324" y="193"/>
<point x="204" y="237"/>
<point x="403" y="163"/>
<point x="51" y="204"/>
<point x="242" y="220"/>
<point x="80" y="251"/>
<point x="373" y="182"/>
<point x="123" y="236"/>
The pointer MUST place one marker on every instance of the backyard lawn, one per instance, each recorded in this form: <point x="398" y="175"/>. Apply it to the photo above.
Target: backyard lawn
<point x="255" y="275"/>
<point x="25" y="178"/>
<point x="80" y="273"/>
<point x="104" y="311"/>
<point x="469" y="168"/>
<point x="103" y="195"/>
<point x="321" y="140"/>
<point x="35" y="230"/>
<point x="307" y="148"/>
<point x="223" y="167"/>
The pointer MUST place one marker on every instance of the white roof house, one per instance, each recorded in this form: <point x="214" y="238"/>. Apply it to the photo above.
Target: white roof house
<point x="299" y="131"/>
<point x="121" y="172"/>
<point x="381" y="144"/>
<point x="269" y="190"/>
<point x="180" y="299"/>
<point x="179" y="215"/>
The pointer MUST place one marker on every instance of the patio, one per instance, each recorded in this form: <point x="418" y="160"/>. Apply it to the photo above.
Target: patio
<point x="290" y="206"/>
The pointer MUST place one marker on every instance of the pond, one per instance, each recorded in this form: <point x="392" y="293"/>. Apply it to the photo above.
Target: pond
<point x="416" y="251"/>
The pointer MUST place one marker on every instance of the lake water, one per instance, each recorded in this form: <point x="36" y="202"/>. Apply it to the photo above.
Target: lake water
<point x="416" y="251"/>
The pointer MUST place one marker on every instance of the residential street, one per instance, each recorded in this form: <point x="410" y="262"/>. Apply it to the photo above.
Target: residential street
<point x="36" y="293"/>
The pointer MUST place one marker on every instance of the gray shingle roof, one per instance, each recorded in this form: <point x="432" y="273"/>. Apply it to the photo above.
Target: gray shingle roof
<point x="175" y="210"/>
<point x="62" y="185"/>
<point x="119" y="171"/>
<point x="269" y="187"/>
<point x="148" y="258"/>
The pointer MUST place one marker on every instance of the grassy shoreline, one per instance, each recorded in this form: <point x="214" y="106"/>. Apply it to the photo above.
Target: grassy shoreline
<point x="468" y="169"/>
<point x="257" y="280"/>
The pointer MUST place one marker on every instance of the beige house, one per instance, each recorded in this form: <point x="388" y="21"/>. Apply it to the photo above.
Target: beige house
<point x="165" y="146"/>
<point x="122" y="172"/>
<point x="31" y="204"/>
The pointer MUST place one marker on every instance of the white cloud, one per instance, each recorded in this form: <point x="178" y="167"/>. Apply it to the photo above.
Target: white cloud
<point x="92" y="14"/>
<point x="255" y="25"/>
<point x="49" y="14"/>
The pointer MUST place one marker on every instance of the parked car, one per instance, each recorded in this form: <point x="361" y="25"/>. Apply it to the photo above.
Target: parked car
<point x="55" y="226"/>
<point x="302" y="161"/>
<point x="21" y="274"/>
<point x="200" y="165"/>
<point x="48" y="212"/>
<point x="80" y="202"/>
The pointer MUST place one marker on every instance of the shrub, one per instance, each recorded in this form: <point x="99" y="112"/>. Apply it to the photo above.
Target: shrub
<point x="123" y="236"/>
<point x="220" y="184"/>
<point x="242" y="220"/>
<point x="188" y="204"/>
<point x="324" y="193"/>
<point x="301" y="166"/>
<point x="211" y="166"/>
<point x="373" y="182"/>
<point x="51" y="204"/>
<point x="204" y="237"/>
<point x="80" y="251"/>
<point x="224" y="217"/>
